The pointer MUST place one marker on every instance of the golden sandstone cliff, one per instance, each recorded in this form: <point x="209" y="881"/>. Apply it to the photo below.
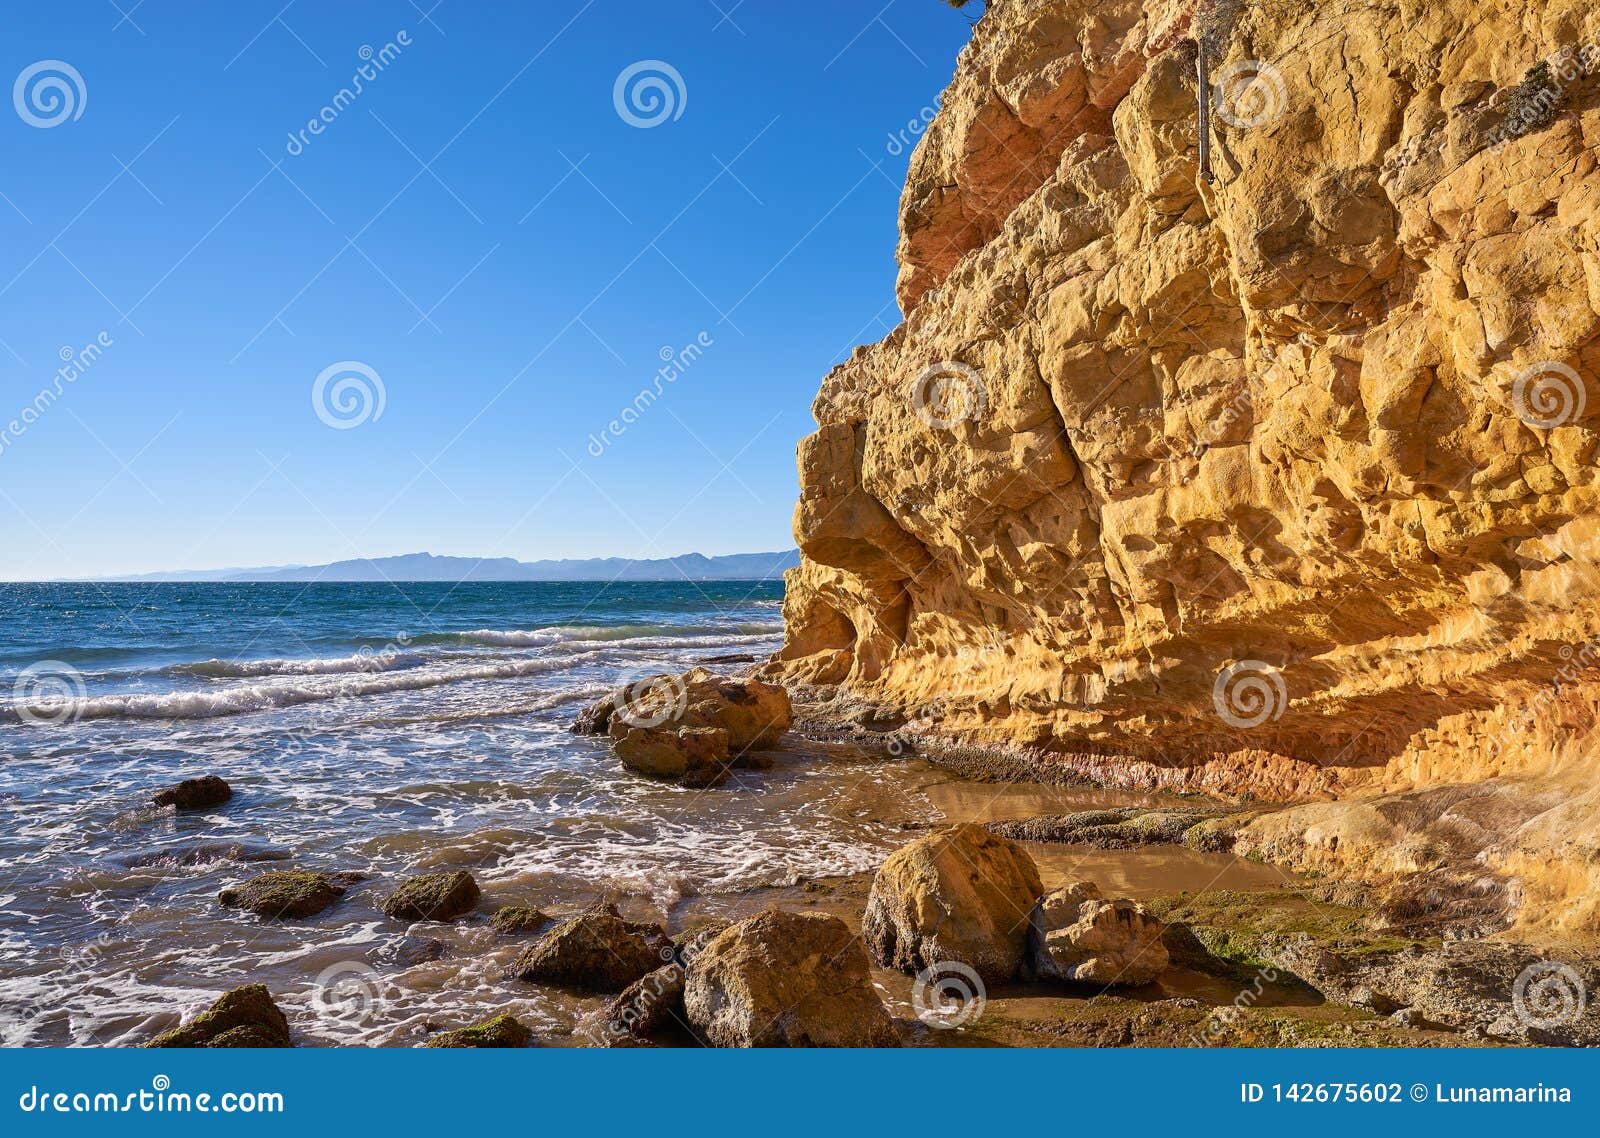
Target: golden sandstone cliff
<point x="1281" y="483"/>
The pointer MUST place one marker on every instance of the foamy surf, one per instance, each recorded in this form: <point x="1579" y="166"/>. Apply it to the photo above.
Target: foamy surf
<point x="450" y="749"/>
<point x="242" y="698"/>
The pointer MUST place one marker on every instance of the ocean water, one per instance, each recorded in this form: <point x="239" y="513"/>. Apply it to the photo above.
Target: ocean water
<point x="381" y="729"/>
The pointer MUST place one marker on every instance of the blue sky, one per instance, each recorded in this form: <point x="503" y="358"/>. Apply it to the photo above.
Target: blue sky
<point x="480" y="227"/>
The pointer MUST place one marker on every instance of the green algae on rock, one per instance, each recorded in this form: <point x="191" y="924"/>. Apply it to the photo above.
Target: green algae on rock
<point x="286" y="893"/>
<point x="242" y="1017"/>
<point x="434" y="897"/>
<point x="501" y="1031"/>
<point x="596" y="950"/>
<point x="511" y="919"/>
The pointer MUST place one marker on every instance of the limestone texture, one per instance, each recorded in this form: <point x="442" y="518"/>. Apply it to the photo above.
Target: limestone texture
<point x="960" y="895"/>
<point x="782" y="979"/>
<point x="1278" y="482"/>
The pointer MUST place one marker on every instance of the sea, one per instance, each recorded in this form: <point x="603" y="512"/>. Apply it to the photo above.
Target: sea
<point x="382" y="729"/>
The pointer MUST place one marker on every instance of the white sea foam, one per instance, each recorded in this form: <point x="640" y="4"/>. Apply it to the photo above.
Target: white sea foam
<point x="239" y="698"/>
<point x="314" y="666"/>
<point x="622" y="635"/>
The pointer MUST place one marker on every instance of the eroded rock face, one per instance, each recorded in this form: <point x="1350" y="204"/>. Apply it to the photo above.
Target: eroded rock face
<point x="242" y="1017"/>
<point x="784" y="979"/>
<point x="596" y="950"/>
<point x="1282" y="483"/>
<point x="1076" y="934"/>
<point x="962" y="895"/>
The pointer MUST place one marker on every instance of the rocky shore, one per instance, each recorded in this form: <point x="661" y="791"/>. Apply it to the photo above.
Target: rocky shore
<point x="969" y="934"/>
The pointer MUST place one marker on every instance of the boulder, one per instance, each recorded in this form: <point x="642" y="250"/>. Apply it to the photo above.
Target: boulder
<point x="433" y="897"/>
<point x="655" y="1001"/>
<point x="648" y="1005"/>
<point x="287" y="894"/>
<point x="754" y="714"/>
<point x="961" y="894"/>
<point x="784" y="979"/>
<point x="596" y="950"/>
<point x="596" y="718"/>
<point x="694" y="756"/>
<point x="242" y="1017"/>
<point x="195" y="793"/>
<point x="509" y="920"/>
<point x="1075" y="934"/>
<point x="501" y="1031"/>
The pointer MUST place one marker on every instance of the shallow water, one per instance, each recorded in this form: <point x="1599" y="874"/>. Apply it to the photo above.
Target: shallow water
<point x="393" y="730"/>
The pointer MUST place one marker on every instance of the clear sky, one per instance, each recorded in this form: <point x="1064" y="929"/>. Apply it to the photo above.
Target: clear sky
<point x="481" y="227"/>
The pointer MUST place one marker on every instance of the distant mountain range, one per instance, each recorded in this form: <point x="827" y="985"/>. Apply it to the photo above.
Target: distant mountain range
<point x="427" y="567"/>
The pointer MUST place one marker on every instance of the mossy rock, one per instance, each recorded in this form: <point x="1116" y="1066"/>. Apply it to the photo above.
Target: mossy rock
<point x="501" y="1031"/>
<point x="1235" y="933"/>
<point x="434" y="897"/>
<point x="1107" y="829"/>
<point x="511" y="919"/>
<point x="596" y="950"/>
<point x="287" y="894"/>
<point x="242" y="1017"/>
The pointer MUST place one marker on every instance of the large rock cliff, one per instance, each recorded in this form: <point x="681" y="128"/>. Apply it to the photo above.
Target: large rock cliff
<point x="1277" y="477"/>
